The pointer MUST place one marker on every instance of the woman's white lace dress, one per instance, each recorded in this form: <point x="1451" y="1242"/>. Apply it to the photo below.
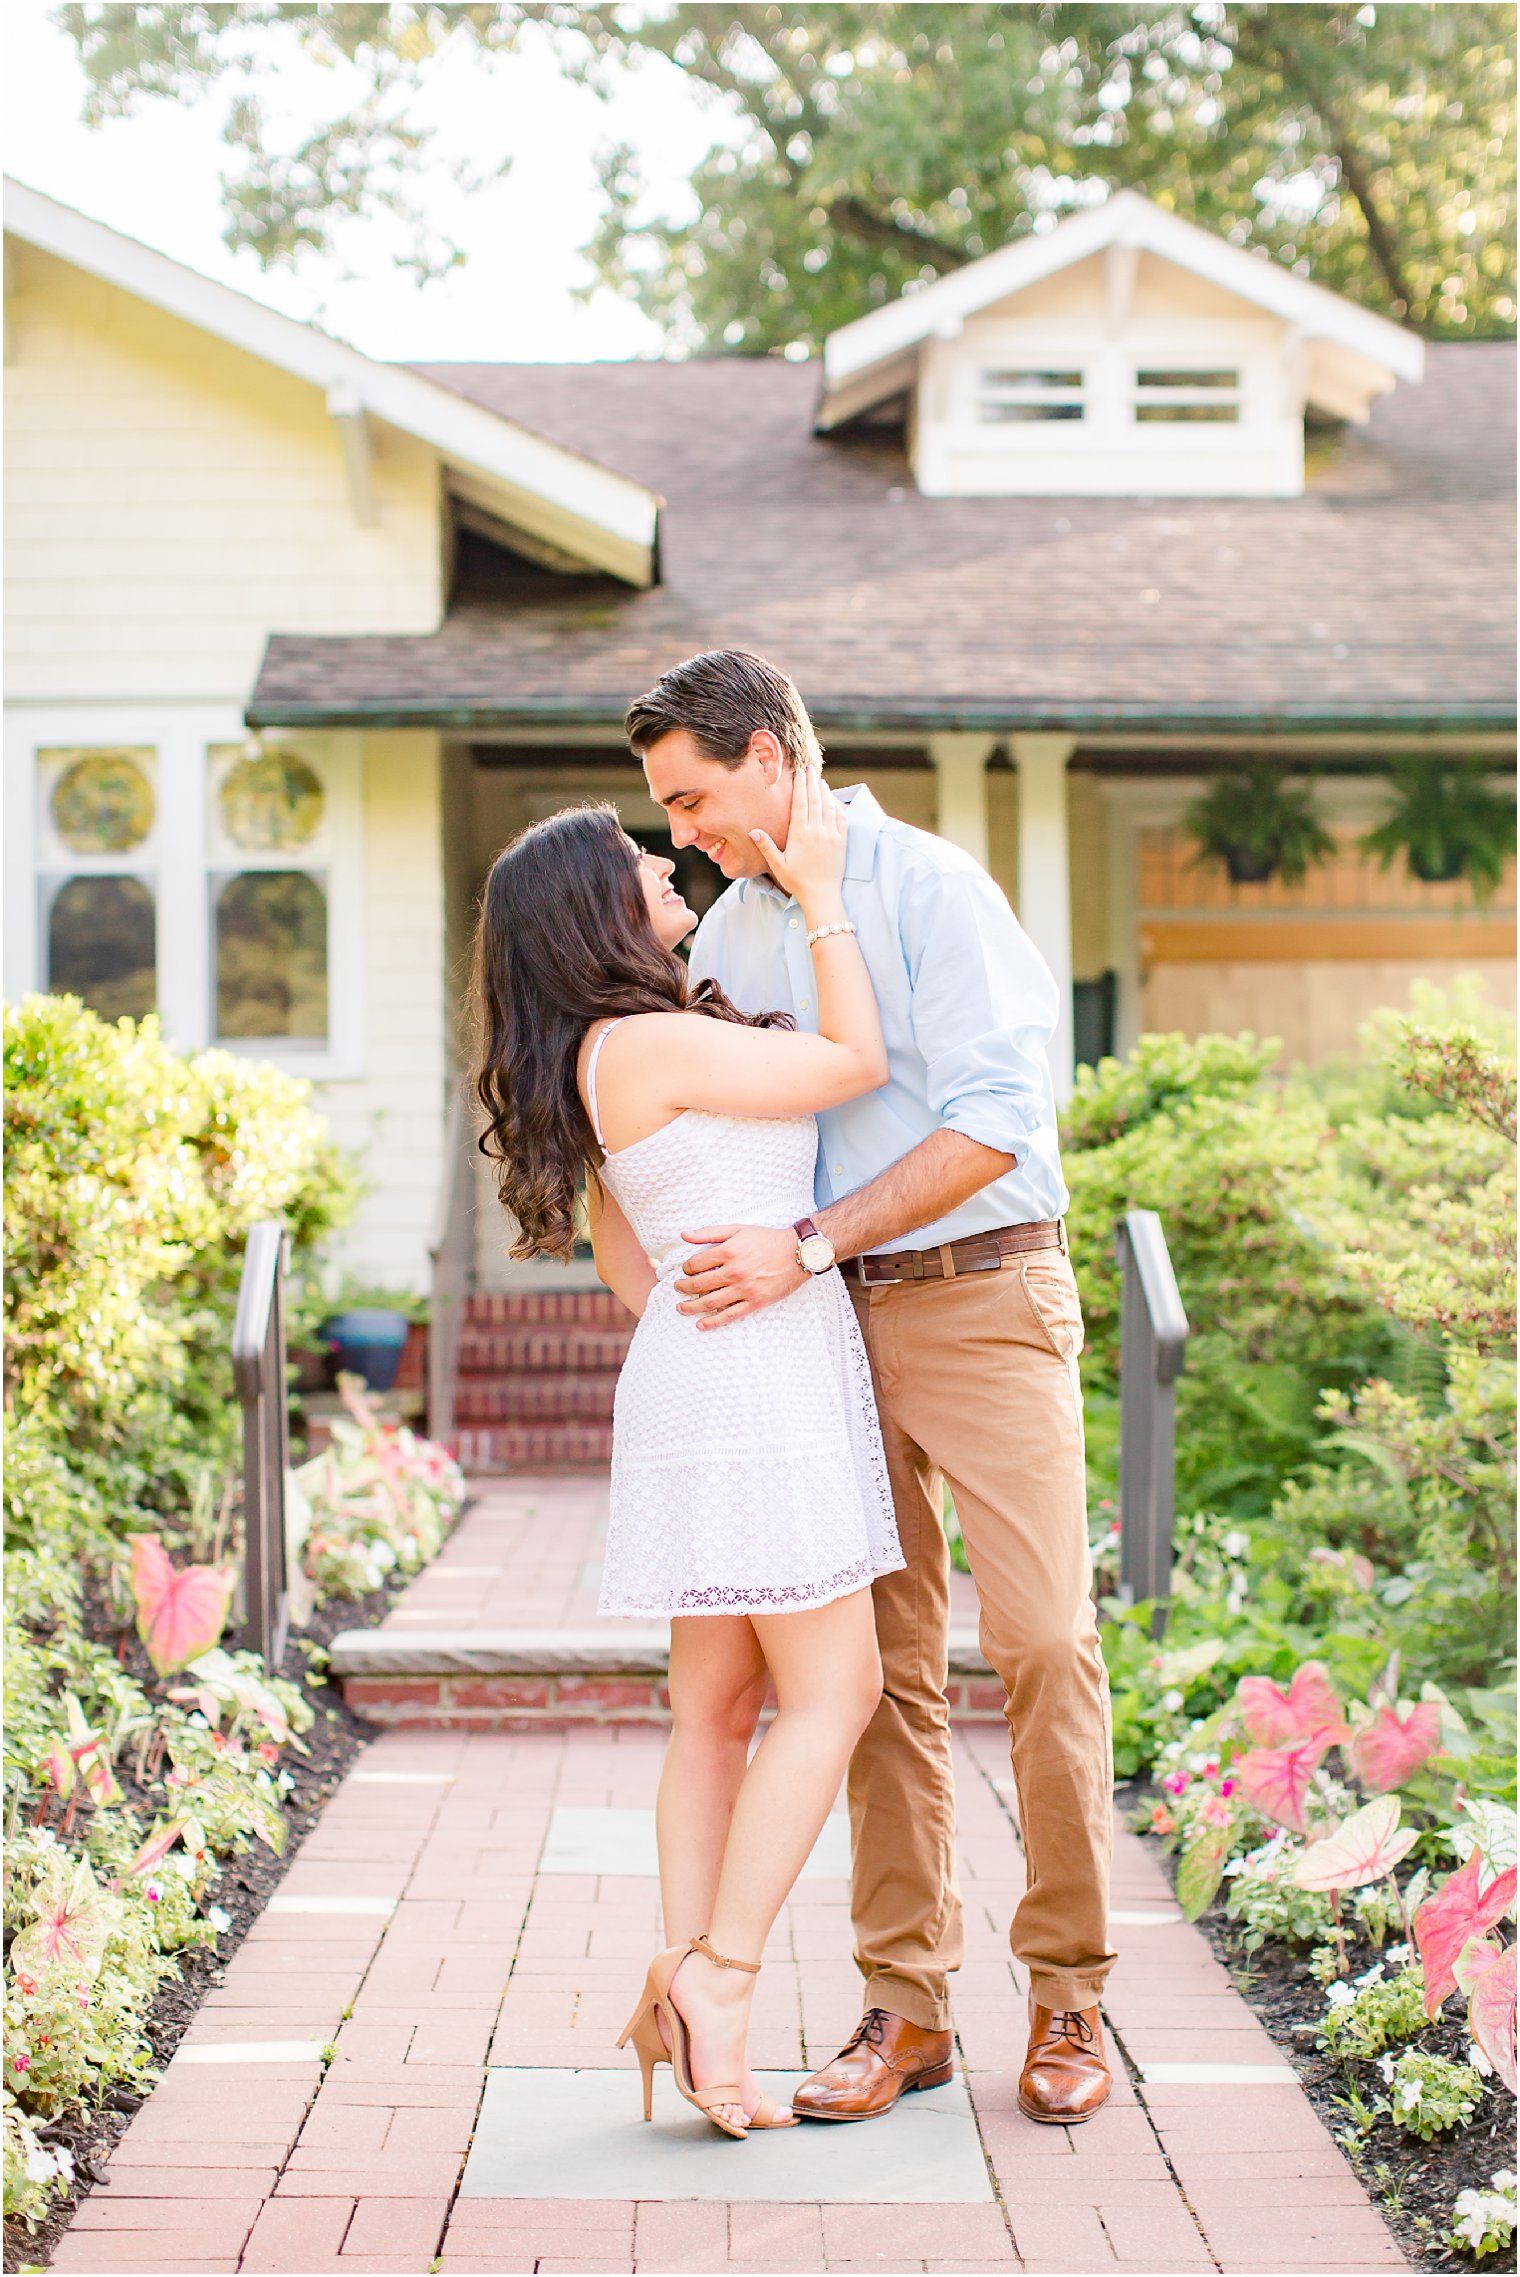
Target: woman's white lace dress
<point x="747" y="1467"/>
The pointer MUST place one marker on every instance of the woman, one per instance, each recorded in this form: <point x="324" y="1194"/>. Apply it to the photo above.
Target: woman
<point x="750" y="1500"/>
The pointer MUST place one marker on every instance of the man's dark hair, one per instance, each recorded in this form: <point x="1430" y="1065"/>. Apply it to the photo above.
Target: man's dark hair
<point x="720" y="699"/>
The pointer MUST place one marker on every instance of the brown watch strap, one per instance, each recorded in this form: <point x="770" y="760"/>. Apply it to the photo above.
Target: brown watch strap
<point x="805" y="1230"/>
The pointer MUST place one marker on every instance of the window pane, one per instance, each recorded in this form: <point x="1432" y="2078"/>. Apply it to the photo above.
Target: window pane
<point x="1187" y="379"/>
<point x="1146" y="413"/>
<point x="1032" y="379"/>
<point x="102" y="802"/>
<point x="101" y="945"/>
<point x="271" y="955"/>
<point x="997" y="414"/>
<point x="271" y="802"/>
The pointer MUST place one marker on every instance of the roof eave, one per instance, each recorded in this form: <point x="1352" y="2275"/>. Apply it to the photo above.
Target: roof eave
<point x="878" y="715"/>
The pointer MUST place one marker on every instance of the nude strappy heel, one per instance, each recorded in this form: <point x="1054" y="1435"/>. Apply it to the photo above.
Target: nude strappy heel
<point x="643" y="2029"/>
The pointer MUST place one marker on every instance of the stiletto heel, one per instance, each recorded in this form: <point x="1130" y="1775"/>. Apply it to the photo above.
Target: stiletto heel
<point x="643" y="2029"/>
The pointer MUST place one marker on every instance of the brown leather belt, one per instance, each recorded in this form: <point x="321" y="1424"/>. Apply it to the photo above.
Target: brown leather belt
<point x="977" y="1253"/>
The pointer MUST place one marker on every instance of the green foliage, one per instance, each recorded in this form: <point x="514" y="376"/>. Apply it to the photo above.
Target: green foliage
<point x="132" y="1176"/>
<point x="1257" y="826"/>
<point x="1265" y="1902"/>
<point x="1361" y="2021"/>
<point x="380" y="1501"/>
<point x="1431" y="2096"/>
<point x="1448" y="822"/>
<point x="1198" y="1131"/>
<point x="865" y="149"/>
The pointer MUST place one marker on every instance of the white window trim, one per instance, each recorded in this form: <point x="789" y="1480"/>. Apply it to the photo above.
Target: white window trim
<point x="182" y="862"/>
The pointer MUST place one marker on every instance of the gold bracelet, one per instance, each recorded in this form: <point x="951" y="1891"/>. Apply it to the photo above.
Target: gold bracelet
<point x="822" y="932"/>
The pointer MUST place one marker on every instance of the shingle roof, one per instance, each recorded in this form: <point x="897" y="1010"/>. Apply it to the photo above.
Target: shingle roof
<point x="1384" y="593"/>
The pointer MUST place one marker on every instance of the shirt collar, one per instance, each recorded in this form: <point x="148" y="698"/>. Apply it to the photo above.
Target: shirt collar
<point x="865" y="818"/>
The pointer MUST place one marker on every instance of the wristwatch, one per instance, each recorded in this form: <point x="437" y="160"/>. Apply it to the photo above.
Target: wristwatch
<point x="815" y="1251"/>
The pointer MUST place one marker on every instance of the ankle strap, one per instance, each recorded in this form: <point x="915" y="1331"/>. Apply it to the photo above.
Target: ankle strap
<point x="702" y="1945"/>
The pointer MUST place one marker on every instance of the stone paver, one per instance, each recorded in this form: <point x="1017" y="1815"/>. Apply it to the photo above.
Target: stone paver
<point x="481" y="1964"/>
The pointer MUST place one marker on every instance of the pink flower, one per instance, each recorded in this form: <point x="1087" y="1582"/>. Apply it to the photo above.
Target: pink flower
<point x="1214" y="1812"/>
<point x="267" y="1752"/>
<point x="153" y="1892"/>
<point x="28" y="1985"/>
<point x="21" y="2063"/>
<point x="1227" y="1786"/>
<point x="1175" y="1783"/>
<point x="1211" y="1768"/>
<point x="1162" y="1819"/>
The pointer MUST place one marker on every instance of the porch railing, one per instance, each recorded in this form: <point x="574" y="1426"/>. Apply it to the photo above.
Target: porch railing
<point x="258" y="1368"/>
<point x="452" y="1249"/>
<point x="1153" y="1333"/>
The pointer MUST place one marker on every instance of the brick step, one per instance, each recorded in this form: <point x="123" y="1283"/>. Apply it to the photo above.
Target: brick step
<point x="534" y="1399"/>
<point x="548" y="1308"/>
<point x="522" y="1679"/>
<point x="492" y="1447"/>
<point x="518" y="1351"/>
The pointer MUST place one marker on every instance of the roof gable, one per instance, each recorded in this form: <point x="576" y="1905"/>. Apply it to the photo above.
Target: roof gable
<point x="877" y="355"/>
<point x="567" y="503"/>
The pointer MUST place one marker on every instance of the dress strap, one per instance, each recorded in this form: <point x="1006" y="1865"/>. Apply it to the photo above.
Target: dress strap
<point x="596" y="1053"/>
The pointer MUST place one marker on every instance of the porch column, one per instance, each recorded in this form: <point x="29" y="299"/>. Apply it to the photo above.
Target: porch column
<point x="960" y="770"/>
<point x="1044" y="899"/>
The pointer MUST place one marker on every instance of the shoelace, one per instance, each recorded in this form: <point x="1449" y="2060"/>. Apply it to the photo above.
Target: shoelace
<point x="872" y="2029"/>
<point x="1070" y="2024"/>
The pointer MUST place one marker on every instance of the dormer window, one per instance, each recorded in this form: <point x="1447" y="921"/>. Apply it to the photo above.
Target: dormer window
<point x="1007" y="396"/>
<point x="1179" y="394"/>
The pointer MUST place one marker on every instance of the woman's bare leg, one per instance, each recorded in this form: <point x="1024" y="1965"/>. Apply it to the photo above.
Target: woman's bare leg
<point x="827" y="1674"/>
<point x="717" y="1683"/>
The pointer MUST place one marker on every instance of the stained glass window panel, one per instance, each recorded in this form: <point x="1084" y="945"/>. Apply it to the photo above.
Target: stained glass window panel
<point x="271" y="955"/>
<point x="102" y="947"/>
<point x="271" y="802"/>
<point x="102" y="801"/>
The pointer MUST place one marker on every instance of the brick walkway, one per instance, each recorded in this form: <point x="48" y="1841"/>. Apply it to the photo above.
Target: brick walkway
<point x="429" y="1940"/>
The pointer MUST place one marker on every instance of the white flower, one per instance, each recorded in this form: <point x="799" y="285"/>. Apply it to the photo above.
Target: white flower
<point x="1196" y="1762"/>
<point x="1340" y="1996"/>
<point x="41" y="2163"/>
<point x="1236" y="1543"/>
<point x="1396" y="1956"/>
<point x="186" y="1868"/>
<point x="1385" y="2066"/>
<point x="1374" y="1975"/>
<point x="64" y="2160"/>
<point x="1478" y="2060"/>
<point x="1472" y="2218"/>
<point x="1411" y="2095"/>
<point x="1505" y="2181"/>
<point x="1235" y="1599"/>
<point x="1172" y="1699"/>
<point x="219" y="1918"/>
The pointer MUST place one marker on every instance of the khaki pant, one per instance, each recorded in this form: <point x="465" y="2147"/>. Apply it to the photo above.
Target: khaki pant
<point x="976" y="1381"/>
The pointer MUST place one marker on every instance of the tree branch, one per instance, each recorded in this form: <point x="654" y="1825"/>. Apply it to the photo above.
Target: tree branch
<point x="1262" y="33"/>
<point x="853" y="218"/>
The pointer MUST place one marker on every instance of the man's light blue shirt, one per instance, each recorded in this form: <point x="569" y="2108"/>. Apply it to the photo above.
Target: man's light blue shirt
<point x="968" y="1008"/>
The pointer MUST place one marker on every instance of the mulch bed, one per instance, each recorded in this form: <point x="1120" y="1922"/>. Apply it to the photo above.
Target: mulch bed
<point x="1413" y="2184"/>
<point x="246" y="1885"/>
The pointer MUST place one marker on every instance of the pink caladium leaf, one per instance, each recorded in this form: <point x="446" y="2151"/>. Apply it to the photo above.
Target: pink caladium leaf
<point x="1486" y="1973"/>
<point x="1460" y="1910"/>
<point x="1388" y="1751"/>
<point x="180" y="1609"/>
<point x="74" y="1917"/>
<point x="58" y="1763"/>
<point x="89" y="1750"/>
<point x="158" y="1845"/>
<point x="1274" y="1718"/>
<point x="1277" y="1781"/>
<point x="1364" y="1848"/>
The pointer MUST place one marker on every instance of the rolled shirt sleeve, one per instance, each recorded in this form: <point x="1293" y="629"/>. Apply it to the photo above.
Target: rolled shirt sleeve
<point x="984" y="1009"/>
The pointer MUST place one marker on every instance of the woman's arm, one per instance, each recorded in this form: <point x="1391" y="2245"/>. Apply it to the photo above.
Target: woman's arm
<point x="619" y="1259"/>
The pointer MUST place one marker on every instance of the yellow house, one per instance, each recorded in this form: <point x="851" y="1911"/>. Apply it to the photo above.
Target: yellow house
<point x="297" y="638"/>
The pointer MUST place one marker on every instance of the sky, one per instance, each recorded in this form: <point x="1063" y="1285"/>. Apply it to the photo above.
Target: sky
<point x="154" y="177"/>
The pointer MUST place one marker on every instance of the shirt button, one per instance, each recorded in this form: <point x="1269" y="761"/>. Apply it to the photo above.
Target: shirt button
<point x="839" y="1170"/>
<point x="807" y="1004"/>
<point x="791" y="924"/>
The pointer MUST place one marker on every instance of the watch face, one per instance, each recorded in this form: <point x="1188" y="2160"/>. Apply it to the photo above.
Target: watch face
<point x="817" y="1252"/>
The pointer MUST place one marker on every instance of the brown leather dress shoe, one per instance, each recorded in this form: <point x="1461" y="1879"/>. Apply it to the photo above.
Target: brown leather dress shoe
<point x="885" y="2057"/>
<point x="1066" y="2076"/>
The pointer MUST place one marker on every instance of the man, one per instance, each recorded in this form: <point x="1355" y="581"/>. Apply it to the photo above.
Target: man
<point x="940" y="1196"/>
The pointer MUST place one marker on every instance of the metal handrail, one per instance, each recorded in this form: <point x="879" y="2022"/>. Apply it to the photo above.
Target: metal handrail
<point x="258" y="1371"/>
<point x="451" y="1249"/>
<point x="1153" y="1334"/>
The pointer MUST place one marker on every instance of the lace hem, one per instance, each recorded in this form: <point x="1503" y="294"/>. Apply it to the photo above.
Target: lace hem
<point x="723" y="1597"/>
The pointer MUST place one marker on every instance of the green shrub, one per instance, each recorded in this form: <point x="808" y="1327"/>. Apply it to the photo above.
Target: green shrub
<point x="132" y="1176"/>
<point x="1430" y="2096"/>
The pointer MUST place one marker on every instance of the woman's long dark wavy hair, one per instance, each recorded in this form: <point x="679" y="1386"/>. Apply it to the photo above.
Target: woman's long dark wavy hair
<point x="564" y="939"/>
